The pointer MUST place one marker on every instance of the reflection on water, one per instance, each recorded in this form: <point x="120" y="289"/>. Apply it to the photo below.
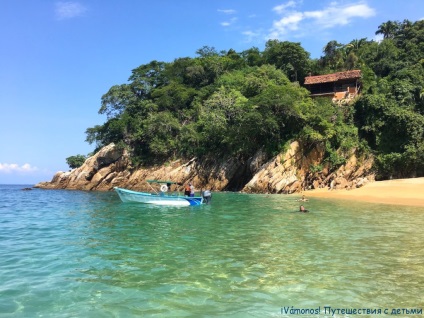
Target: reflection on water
<point x="88" y="254"/>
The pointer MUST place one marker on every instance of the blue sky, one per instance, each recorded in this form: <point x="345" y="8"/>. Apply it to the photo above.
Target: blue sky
<point x="58" y="58"/>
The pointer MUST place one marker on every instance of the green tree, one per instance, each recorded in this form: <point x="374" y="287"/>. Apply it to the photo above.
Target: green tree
<point x="75" y="161"/>
<point x="207" y="51"/>
<point x="388" y="29"/>
<point x="289" y="57"/>
<point x="116" y="100"/>
<point x="161" y="131"/>
<point x="334" y="53"/>
<point x="147" y="77"/>
<point x="252" y="57"/>
<point x="220" y="116"/>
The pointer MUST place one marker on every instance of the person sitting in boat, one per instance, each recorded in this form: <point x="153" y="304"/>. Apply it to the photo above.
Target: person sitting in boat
<point x="187" y="190"/>
<point x="191" y="190"/>
<point x="302" y="209"/>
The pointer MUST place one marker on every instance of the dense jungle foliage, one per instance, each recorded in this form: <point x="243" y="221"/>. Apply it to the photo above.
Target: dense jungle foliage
<point x="233" y="104"/>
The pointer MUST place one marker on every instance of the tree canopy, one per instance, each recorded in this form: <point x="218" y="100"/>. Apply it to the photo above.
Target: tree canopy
<point x="232" y="103"/>
<point x="75" y="161"/>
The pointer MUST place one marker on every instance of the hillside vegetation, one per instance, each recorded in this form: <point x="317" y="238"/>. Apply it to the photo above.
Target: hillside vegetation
<point x="226" y="103"/>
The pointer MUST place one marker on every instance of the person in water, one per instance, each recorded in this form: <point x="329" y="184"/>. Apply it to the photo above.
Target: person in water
<point x="302" y="209"/>
<point x="207" y="196"/>
<point x="303" y="199"/>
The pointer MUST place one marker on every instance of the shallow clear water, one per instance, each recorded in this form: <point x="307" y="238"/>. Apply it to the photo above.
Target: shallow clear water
<point x="87" y="254"/>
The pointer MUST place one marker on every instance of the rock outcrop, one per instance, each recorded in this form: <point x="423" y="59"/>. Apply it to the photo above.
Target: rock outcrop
<point x="304" y="169"/>
<point x="99" y="172"/>
<point x="295" y="170"/>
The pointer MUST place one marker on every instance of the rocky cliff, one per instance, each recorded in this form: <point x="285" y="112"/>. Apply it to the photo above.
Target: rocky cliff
<point x="295" y="170"/>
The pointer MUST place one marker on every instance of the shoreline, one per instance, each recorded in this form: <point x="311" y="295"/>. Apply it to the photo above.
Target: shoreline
<point x="396" y="192"/>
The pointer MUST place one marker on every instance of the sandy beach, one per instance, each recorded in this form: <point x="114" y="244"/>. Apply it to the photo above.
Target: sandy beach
<point x="400" y="192"/>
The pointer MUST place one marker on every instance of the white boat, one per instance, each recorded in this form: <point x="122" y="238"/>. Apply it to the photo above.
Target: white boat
<point x="162" y="197"/>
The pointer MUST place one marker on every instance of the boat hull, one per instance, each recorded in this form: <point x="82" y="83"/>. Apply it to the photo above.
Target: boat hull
<point x="157" y="199"/>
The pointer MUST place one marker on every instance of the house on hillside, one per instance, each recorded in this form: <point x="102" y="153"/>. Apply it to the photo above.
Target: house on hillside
<point x="341" y="87"/>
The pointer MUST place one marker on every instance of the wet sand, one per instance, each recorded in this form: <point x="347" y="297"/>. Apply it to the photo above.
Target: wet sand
<point x="399" y="191"/>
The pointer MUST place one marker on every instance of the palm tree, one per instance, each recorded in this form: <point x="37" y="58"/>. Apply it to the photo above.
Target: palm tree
<point x="354" y="45"/>
<point x="406" y="25"/>
<point x="333" y="54"/>
<point x="388" y="29"/>
<point x="331" y="48"/>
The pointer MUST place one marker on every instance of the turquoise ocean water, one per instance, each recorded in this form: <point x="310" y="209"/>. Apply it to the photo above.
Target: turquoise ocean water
<point x="87" y="254"/>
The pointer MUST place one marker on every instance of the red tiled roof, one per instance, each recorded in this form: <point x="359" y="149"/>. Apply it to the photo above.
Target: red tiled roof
<point x="354" y="74"/>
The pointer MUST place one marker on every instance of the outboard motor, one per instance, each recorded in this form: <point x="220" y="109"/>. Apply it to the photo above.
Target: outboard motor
<point x="207" y="196"/>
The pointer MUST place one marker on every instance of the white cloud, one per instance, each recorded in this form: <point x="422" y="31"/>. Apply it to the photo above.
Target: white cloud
<point x="230" y="22"/>
<point x="227" y="11"/>
<point x="333" y="15"/>
<point x="251" y="36"/>
<point x="290" y="22"/>
<point x="69" y="10"/>
<point x="282" y="7"/>
<point x="13" y="167"/>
